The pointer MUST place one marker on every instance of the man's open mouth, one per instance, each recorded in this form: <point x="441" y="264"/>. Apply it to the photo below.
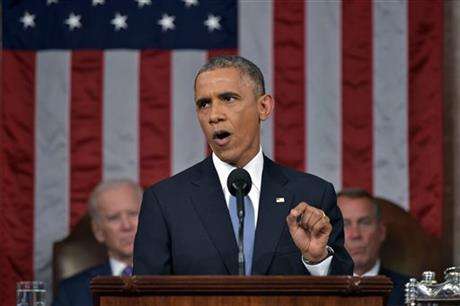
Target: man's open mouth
<point x="221" y="137"/>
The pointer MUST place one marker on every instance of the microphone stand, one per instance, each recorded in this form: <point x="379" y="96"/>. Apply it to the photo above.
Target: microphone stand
<point x="239" y="184"/>
<point x="240" y="210"/>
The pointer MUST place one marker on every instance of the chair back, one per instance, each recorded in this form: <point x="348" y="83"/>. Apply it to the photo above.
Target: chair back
<point x="77" y="252"/>
<point x="407" y="249"/>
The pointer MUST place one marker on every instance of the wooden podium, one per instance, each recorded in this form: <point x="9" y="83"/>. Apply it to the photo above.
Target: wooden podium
<point x="240" y="290"/>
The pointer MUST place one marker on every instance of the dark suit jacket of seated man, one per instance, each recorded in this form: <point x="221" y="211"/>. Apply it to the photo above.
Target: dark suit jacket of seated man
<point x="184" y="224"/>
<point x="76" y="290"/>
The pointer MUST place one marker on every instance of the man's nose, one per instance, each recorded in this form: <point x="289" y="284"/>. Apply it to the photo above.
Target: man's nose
<point x="353" y="232"/>
<point x="216" y="112"/>
<point x="126" y="222"/>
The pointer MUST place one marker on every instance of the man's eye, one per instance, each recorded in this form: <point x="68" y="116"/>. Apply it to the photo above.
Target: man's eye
<point x="112" y="218"/>
<point x="203" y="104"/>
<point x="133" y="214"/>
<point x="365" y="222"/>
<point x="228" y="98"/>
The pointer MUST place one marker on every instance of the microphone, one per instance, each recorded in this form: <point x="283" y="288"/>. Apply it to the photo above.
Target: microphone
<point x="239" y="184"/>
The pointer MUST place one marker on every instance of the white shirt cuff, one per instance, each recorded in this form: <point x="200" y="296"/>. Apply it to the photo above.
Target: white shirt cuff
<point x="320" y="269"/>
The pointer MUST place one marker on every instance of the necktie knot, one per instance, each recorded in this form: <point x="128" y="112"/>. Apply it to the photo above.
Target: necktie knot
<point x="128" y="271"/>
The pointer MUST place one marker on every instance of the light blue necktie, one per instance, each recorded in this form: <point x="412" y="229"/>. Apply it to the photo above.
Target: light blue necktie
<point x="249" y="229"/>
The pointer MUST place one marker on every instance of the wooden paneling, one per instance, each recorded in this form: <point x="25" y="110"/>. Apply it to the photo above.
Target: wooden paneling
<point x="236" y="290"/>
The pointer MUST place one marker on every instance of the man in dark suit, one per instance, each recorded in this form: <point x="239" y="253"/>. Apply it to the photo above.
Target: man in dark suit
<point x="114" y="208"/>
<point x="186" y="224"/>
<point x="364" y="235"/>
<point x="76" y="290"/>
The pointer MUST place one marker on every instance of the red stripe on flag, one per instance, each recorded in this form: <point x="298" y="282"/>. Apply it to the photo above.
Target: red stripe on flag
<point x="425" y="113"/>
<point x="155" y="116"/>
<point x="357" y="126"/>
<point x="17" y="177"/>
<point x="86" y="129"/>
<point x="289" y="83"/>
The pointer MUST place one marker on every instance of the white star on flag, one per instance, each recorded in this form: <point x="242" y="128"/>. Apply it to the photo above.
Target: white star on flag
<point x="213" y="22"/>
<point x="97" y="2"/>
<point x="119" y="21"/>
<point x="48" y="2"/>
<point x="141" y="3"/>
<point x="167" y="22"/>
<point x="73" y="21"/>
<point x="28" y="20"/>
<point x="189" y="3"/>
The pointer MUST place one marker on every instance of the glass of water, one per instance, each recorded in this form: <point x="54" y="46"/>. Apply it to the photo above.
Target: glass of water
<point x="30" y="293"/>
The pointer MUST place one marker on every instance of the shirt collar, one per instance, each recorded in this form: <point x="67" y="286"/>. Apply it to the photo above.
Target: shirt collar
<point x="116" y="266"/>
<point x="254" y="167"/>
<point x="373" y="271"/>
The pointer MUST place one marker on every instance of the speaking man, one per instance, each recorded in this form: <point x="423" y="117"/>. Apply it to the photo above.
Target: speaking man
<point x="189" y="223"/>
<point x="114" y="208"/>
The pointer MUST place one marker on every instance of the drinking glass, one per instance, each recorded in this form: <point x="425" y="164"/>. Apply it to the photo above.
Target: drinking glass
<point x="30" y="293"/>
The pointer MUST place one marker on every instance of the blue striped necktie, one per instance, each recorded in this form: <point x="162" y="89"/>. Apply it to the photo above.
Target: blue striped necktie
<point x="249" y="229"/>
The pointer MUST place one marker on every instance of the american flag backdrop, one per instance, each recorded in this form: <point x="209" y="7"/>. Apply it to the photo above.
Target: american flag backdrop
<point x="98" y="89"/>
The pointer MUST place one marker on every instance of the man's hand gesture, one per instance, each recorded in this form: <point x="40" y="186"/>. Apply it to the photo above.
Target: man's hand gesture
<point x="310" y="229"/>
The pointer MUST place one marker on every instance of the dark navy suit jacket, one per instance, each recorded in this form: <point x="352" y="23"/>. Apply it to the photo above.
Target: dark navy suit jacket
<point x="185" y="228"/>
<point x="75" y="290"/>
<point x="399" y="281"/>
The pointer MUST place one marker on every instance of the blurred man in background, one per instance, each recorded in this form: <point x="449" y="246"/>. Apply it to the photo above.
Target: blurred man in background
<point x="114" y="208"/>
<point x="364" y="235"/>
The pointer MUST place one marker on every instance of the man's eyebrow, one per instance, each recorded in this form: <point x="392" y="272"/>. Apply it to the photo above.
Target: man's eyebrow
<point x="366" y="218"/>
<point x="228" y="93"/>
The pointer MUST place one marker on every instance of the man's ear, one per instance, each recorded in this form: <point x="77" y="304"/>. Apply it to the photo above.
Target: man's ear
<point x="97" y="231"/>
<point x="266" y="105"/>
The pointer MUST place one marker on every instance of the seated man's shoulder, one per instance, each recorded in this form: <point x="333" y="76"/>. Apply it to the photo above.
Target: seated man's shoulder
<point x="399" y="281"/>
<point x="397" y="278"/>
<point x="75" y="290"/>
<point x="83" y="278"/>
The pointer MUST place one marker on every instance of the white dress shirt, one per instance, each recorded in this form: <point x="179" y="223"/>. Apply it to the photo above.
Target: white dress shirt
<point x="373" y="271"/>
<point x="116" y="266"/>
<point x="255" y="168"/>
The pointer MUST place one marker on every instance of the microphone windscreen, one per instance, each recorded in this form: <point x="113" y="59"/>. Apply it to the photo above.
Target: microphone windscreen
<point x="239" y="179"/>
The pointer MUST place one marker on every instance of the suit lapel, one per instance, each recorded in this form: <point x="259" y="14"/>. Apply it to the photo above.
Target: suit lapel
<point x="101" y="270"/>
<point x="271" y="217"/>
<point x="106" y="268"/>
<point x="209" y="202"/>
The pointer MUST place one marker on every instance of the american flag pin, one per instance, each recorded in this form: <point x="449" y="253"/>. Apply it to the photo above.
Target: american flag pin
<point x="280" y="200"/>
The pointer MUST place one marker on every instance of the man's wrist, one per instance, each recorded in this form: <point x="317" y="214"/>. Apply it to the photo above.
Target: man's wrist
<point x="327" y="253"/>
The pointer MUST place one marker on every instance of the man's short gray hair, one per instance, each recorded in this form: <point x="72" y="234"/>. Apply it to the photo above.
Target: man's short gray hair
<point x="359" y="193"/>
<point x="245" y="66"/>
<point x="108" y="185"/>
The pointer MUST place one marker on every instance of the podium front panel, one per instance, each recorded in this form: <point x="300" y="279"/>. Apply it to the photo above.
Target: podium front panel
<point x="240" y="290"/>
